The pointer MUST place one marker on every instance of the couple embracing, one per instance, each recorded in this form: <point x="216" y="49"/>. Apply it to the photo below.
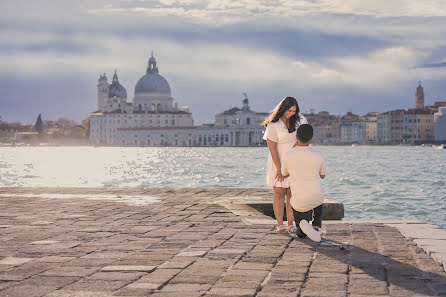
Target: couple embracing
<point x="294" y="171"/>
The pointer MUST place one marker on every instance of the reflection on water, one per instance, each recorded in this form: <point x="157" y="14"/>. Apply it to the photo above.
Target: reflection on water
<point x="373" y="182"/>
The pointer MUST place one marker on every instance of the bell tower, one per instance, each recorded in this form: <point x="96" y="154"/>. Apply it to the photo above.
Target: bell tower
<point x="102" y="92"/>
<point x="419" y="97"/>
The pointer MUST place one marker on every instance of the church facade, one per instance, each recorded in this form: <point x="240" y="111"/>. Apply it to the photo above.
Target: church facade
<point x="152" y="118"/>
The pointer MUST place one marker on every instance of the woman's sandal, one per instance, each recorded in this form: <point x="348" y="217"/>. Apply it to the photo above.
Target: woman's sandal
<point x="292" y="229"/>
<point x="281" y="229"/>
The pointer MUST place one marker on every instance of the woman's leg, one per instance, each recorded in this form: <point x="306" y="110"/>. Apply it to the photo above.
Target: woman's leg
<point x="279" y="200"/>
<point x="289" y="209"/>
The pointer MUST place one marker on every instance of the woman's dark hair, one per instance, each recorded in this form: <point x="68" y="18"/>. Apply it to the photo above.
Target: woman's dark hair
<point x="280" y="109"/>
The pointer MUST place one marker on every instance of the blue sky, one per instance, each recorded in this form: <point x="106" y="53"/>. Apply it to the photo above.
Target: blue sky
<point x="333" y="55"/>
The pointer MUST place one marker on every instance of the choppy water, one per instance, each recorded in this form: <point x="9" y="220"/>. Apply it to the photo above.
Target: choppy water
<point x="373" y="182"/>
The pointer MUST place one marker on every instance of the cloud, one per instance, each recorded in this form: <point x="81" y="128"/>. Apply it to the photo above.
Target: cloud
<point x="220" y="12"/>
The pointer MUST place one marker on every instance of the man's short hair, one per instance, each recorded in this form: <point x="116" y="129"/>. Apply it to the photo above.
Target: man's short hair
<point x="304" y="133"/>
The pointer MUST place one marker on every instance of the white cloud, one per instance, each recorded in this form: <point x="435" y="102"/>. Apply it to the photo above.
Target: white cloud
<point x="233" y="11"/>
<point x="223" y="64"/>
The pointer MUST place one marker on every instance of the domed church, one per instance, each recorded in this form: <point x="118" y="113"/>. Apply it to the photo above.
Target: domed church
<point x="152" y="118"/>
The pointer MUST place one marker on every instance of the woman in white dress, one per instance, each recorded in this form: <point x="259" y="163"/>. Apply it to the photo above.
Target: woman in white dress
<point x="280" y="134"/>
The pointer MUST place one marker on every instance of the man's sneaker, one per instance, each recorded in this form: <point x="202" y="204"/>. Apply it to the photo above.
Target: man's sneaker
<point x="308" y="229"/>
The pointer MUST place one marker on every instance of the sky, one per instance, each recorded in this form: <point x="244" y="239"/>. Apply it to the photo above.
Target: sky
<point x="332" y="55"/>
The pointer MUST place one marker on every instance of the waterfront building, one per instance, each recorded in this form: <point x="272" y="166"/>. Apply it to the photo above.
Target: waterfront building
<point x="370" y="120"/>
<point x="352" y="129"/>
<point x="418" y="126"/>
<point x="396" y="126"/>
<point x="405" y="127"/>
<point x="240" y="116"/>
<point x="326" y="127"/>
<point x="440" y="124"/>
<point x="383" y="128"/>
<point x="119" y="121"/>
<point x="152" y="118"/>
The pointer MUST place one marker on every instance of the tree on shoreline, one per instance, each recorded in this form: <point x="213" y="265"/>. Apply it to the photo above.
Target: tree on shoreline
<point x="39" y="124"/>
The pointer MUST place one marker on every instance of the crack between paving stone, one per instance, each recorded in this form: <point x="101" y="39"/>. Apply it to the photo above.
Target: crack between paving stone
<point x="349" y="263"/>
<point x="381" y="251"/>
<point x="308" y="271"/>
<point x="166" y="282"/>
<point x="268" y="277"/>
<point x="232" y="265"/>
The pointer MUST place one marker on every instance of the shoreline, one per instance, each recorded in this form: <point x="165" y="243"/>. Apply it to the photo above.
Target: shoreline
<point x="435" y="145"/>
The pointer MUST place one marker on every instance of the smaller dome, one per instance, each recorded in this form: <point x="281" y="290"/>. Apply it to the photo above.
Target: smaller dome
<point x="116" y="89"/>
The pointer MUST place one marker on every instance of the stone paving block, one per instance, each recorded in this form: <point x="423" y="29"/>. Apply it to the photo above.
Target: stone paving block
<point x="192" y="278"/>
<point x="26" y="290"/>
<point x="186" y="288"/>
<point x="54" y="259"/>
<point x="144" y="286"/>
<point x="40" y="242"/>
<point x="96" y="285"/>
<point x="176" y="264"/>
<point x="244" y="284"/>
<point x="160" y="276"/>
<point x="248" y="275"/>
<point x="122" y="276"/>
<point x="5" y="284"/>
<point x="128" y="268"/>
<point x="197" y="253"/>
<point x="68" y="293"/>
<point x="307" y="293"/>
<point x="90" y="262"/>
<point x="175" y="294"/>
<point x="252" y="266"/>
<point x="278" y="291"/>
<point x="71" y="271"/>
<point x="233" y="292"/>
<point x="323" y="267"/>
<point x="15" y="261"/>
<point x="366" y="287"/>
<point x="52" y="281"/>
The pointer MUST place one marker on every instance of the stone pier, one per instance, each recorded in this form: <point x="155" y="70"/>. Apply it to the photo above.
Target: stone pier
<point x="201" y="242"/>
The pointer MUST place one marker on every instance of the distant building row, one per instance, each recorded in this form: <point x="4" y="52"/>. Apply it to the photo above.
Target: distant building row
<point x="152" y="119"/>
<point x="413" y="126"/>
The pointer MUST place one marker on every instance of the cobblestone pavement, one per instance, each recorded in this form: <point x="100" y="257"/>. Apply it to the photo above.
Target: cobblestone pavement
<point x="189" y="243"/>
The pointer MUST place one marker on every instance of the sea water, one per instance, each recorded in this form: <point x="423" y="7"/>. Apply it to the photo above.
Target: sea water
<point x="373" y="182"/>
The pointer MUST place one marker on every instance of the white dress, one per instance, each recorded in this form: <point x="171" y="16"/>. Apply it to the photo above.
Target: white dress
<point x="278" y="132"/>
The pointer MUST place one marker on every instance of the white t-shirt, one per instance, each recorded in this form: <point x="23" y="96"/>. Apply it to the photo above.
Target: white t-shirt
<point x="304" y="166"/>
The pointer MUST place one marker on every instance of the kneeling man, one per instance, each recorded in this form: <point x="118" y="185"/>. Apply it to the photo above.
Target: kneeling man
<point x="306" y="168"/>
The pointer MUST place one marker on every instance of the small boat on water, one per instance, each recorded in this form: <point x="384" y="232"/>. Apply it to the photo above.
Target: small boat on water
<point x="441" y="147"/>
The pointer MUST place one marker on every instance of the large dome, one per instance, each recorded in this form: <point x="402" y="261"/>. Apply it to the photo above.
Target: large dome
<point x="152" y="82"/>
